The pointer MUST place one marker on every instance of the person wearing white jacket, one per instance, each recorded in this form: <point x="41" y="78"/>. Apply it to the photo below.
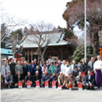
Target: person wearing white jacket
<point x="98" y="72"/>
<point x="68" y="69"/>
<point x="63" y="67"/>
<point x="73" y="65"/>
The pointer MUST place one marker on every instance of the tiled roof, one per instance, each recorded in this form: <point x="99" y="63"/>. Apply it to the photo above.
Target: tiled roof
<point x="56" y="39"/>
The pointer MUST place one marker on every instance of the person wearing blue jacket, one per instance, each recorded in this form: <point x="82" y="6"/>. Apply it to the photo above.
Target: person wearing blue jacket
<point x="31" y="68"/>
<point x="38" y="69"/>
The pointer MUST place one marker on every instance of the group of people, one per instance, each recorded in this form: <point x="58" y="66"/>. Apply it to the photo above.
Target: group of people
<point x="62" y="72"/>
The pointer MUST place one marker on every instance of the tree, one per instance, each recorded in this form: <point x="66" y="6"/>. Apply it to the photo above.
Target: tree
<point x="69" y="35"/>
<point x="8" y="24"/>
<point x="74" y="14"/>
<point x="4" y="34"/>
<point x="79" y="53"/>
<point x="18" y="34"/>
<point x="41" y="37"/>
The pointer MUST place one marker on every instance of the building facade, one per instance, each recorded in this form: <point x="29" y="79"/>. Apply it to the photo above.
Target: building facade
<point x="57" y="47"/>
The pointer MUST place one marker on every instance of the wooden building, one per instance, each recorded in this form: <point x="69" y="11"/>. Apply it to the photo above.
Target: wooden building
<point x="57" y="47"/>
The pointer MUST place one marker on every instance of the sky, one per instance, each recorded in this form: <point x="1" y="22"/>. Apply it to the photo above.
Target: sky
<point x="33" y="11"/>
<point x="37" y="10"/>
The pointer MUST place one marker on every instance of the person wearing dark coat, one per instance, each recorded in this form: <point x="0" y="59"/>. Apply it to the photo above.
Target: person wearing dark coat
<point x="25" y="69"/>
<point x="38" y="69"/>
<point x="12" y="68"/>
<point x="54" y="77"/>
<point x="89" y="81"/>
<point x="84" y="67"/>
<point x="35" y="62"/>
<point x="28" y="77"/>
<point x="75" y="71"/>
<point x="47" y="64"/>
<point x="45" y="77"/>
<point x="36" y="77"/>
<point x="18" y="77"/>
<point x="57" y="69"/>
<point x="31" y="68"/>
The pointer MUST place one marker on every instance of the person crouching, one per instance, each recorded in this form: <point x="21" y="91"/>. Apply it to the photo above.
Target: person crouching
<point x="9" y="80"/>
<point x="36" y="77"/>
<point x="18" y="77"/>
<point x="70" y="81"/>
<point x="62" y="80"/>
<point x="89" y="81"/>
<point x="45" y="77"/>
<point x="28" y="78"/>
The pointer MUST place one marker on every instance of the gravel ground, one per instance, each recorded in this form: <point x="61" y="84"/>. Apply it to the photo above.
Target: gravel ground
<point x="50" y="95"/>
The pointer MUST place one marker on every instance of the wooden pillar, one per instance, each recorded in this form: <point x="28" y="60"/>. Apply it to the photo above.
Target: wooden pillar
<point x="31" y="55"/>
<point x="61" y="53"/>
<point x="28" y="55"/>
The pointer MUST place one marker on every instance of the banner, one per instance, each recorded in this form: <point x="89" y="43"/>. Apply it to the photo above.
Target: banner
<point x="79" y="86"/>
<point x="19" y="84"/>
<point x="70" y="86"/>
<point x="46" y="84"/>
<point x="53" y="84"/>
<point x="37" y="84"/>
<point x="28" y="84"/>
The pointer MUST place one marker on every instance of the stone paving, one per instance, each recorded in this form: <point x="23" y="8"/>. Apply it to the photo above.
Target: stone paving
<point x="50" y="95"/>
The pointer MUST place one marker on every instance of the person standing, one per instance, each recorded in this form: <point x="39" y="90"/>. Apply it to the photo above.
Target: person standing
<point x="18" y="67"/>
<point x="12" y="68"/>
<point x="4" y="71"/>
<point x="98" y="72"/>
<point x="25" y="69"/>
<point x="22" y="63"/>
<point x="57" y="69"/>
<point x="51" y="68"/>
<point x="63" y="67"/>
<point x="84" y="67"/>
<point x="75" y="72"/>
<point x="67" y="70"/>
<point x="44" y="68"/>
<point x="73" y="65"/>
<point x="47" y="64"/>
<point x="91" y="65"/>
<point x="31" y="68"/>
<point x="39" y="70"/>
